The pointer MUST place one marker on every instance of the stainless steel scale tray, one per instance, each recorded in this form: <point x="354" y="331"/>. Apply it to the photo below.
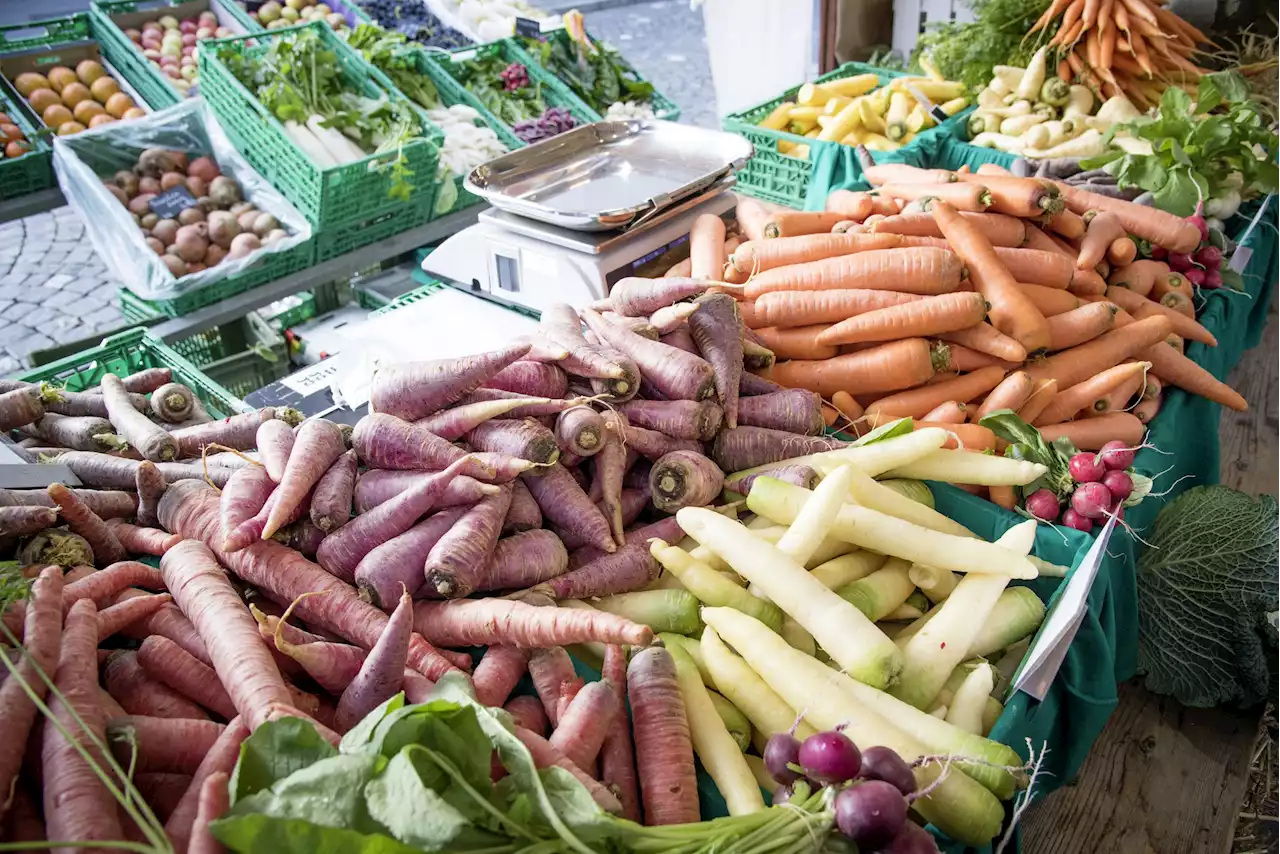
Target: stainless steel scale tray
<point x="609" y="175"/>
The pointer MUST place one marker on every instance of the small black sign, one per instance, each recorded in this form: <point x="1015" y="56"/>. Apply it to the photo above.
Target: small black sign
<point x="171" y="202"/>
<point x="528" y="27"/>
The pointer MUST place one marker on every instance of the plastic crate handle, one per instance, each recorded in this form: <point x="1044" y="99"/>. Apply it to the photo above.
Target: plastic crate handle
<point x="22" y="35"/>
<point x="145" y="5"/>
<point x="128" y="336"/>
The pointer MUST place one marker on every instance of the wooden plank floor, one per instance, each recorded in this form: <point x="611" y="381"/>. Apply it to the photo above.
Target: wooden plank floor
<point x="1163" y="779"/>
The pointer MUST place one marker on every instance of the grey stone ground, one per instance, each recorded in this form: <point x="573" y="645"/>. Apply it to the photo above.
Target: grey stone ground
<point x="55" y="290"/>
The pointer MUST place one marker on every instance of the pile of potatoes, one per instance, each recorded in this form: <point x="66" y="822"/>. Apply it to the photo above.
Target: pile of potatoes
<point x="219" y="226"/>
<point x="170" y="45"/>
<point x="13" y="142"/>
<point x="69" y="101"/>
<point x="273" y="14"/>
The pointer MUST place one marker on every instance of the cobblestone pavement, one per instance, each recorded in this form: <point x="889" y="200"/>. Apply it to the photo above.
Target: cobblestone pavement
<point x="53" y="287"/>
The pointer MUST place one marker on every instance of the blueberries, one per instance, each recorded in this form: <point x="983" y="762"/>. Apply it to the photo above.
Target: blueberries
<point x="412" y="18"/>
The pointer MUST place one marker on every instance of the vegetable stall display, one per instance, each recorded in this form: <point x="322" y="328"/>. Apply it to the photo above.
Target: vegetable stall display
<point x="414" y="21"/>
<point x="526" y="99"/>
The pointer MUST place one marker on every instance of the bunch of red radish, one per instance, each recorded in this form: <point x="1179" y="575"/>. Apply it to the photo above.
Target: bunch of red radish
<point x="1203" y="268"/>
<point x="876" y="788"/>
<point x="1102" y="483"/>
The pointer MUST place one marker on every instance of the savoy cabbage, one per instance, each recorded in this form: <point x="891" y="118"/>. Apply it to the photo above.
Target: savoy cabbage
<point x="1207" y="597"/>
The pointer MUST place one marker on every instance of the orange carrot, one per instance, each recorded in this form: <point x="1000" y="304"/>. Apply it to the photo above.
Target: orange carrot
<point x="752" y="215"/>
<point x="786" y="223"/>
<point x="829" y="415"/>
<point x="679" y="270"/>
<point x="1077" y="364"/>
<point x="915" y="270"/>
<point x="1037" y="239"/>
<point x="1141" y="307"/>
<point x="797" y="342"/>
<point x="1119" y="398"/>
<point x="965" y="197"/>
<point x="1069" y="402"/>
<point x="754" y="257"/>
<point x="1148" y="409"/>
<point x="1087" y="283"/>
<point x="1176" y="342"/>
<point x="998" y="229"/>
<point x="804" y="308"/>
<point x="950" y="412"/>
<point x="918" y="401"/>
<point x="957" y="357"/>
<point x="1050" y="269"/>
<point x="1122" y="251"/>
<point x="850" y="204"/>
<point x="1011" y="393"/>
<point x="706" y="247"/>
<point x="916" y="240"/>
<point x="1003" y="496"/>
<point x="1139" y="277"/>
<point x="1090" y="434"/>
<point x="1068" y="224"/>
<point x="1049" y="301"/>
<point x="1102" y="228"/>
<point x="1011" y="311"/>
<point x="885" y="173"/>
<point x="888" y="367"/>
<point x="1155" y="226"/>
<point x="148" y="541"/>
<point x="1081" y="324"/>
<point x="1179" y="304"/>
<point x="1173" y="368"/>
<point x="1042" y="394"/>
<point x="844" y="405"/>
<point x="1020" y="197"/>
<point x="1171" y="283"/>
<point x="970" y="437"/>
<point x="928" y="316"/>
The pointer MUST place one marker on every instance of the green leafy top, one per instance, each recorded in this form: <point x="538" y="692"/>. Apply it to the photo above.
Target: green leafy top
<point x="393" y="55"/>
<point x="482" y="76"/>
<point x="600" y="77"/>
<point x="1207" y="598"/>
<point x="1195" y="151"/>
<point x="968" y="52"/>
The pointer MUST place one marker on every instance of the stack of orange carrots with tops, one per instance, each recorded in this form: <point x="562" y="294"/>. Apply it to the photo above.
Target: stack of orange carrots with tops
<point x="945" y="296"/>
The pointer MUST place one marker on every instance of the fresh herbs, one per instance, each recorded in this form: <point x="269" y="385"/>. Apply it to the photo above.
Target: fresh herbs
<point x="600" y="75"/>
<point x="968" y="52"/>
<point x="1198" y="154"/>
<point x="487" y="78"/>
<point x="391" y="54"/>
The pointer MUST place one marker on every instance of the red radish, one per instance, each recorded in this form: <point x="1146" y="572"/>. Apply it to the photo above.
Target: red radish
<point x="342" y="552"/>
<point x="791" y="411"/>
<point x="830" y="757"/>
<point x="1197" y="219"/>
<point x="151" y="486"/>
<point x="580" y="431"/>
<point x="629" y="568"/>
<point x="460" y="557"/>
<point x="385" y="442"/>
<point x="524" y="513"/>
<point x="1119" y="484"/>
<point x="481" y="622"/>
<point x="664" y="749"/>
<point x="498" y="672"/>
<point x="523" y="560"/>
<point x="531" y="378"/>
<point x="1086" y="467"/>
<point x="617" y="754"/>
<point x="114" y="618"/>
<point x="1043" y="505"/>
<point x="1180" y="262"/>
<point x="171" y="745"/>
<point x="680" y="419"/>
<point x="331" y="503"/>
<point x="551" y="670"/>
<point x="151" y="440"/>
<point x="585" y="722"/>
<point x="637" y="297"/>
<point x="274" y="442"/>
<point x="1116" y="455"/>
<point x="560" y="323"/>
<point x="1209" y="256"/>
<point x="716" y="328"/>
<point x="527" y="712"/>
<point x="221" y="758"/>
<point x="677" y="374"/>
<point x="748" y="447"/>
<point x="83" y="521"/>
<point x="1091" y="500"/>
<point x="1072" y="519"/>
<point x="799" y="475"/>
<point x="524" y="439"/>
<point x="413" y="390"/>
<point x="319" y="444"/>
<point x="684" y="479"/>
<point x="546" y="756"/>
<point x="382" y="672"/>
<point x="378" y="486"/>
<point x="77" y="806"/>
<point x="169" y="664"/>
<point x="139" y="694"/>
<point x="399" y="561"/>
<point x="1159" y="253"/>
<point x="239" y="432"/>
<point x="564" y="504"/>
<point x="190" y="509"/>
<point x="169" y="623"/>
<point x="215" y="800"/>
<point x="1212" y="279"/>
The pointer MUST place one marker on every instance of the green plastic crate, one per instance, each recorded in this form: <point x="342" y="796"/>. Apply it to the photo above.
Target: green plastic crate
<point x="412" y="296"/>
<point x="298" y="308"/>
<point x="32" y="171"/>
<point x="335" y="199"/>
<point x="334" y="242"/>
<point x="663" y="108"/>
<point x="44" y="34"/>
<point x="131" y="351"/>
<point x="349" y="10"/>
<point x="261" y="357"/>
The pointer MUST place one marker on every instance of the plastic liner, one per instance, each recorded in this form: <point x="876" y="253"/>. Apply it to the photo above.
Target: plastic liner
<point x="83" y="161"/>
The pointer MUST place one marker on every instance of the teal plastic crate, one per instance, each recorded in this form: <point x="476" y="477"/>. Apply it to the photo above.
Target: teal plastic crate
<point x="347" y="197"/>
<point x="32" y="171"/>
<point x="131" y="351"/>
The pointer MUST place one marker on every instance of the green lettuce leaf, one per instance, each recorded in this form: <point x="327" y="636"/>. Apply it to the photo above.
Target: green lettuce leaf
<point x="1205" y="587"/>
<point x="274" y="751"/>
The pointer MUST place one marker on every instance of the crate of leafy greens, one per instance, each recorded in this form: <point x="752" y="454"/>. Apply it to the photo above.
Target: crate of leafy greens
<point x="416" y="22"/>
<point x="597" y="73"/>
<point x="303" y="108"/>
<point x="516" y="89"/>
<point x="472" y="134"/>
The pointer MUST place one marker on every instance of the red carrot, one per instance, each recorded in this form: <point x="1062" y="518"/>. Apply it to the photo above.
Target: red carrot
<point x="667" y="529"/>
<point x="382" y="672"/>
<point x="331" y="503"/>
<point x="564" y="504"/>
<point x="551" y="670"/>
<point x="546" y="756"/>
<point x="528" y="713"/>
<point x="532" y="378"/>
<point x="167" y="622"/>
<point x="147" y="380"/>
<point x="215" y="800"/>
<point x="413" y="390"/>
<point x="139" y="694"/>
<point x="25" y="521"/>
<point x="220" y="758"/>
<point x="618" y="389"/>
<point x="617" y="754"/>
<point x="378" y="486"/>
<point x="610" y="464"/>
<point x="147" y="541"/>
<point x="170" y="745"/>
<point x="684" y="479"/>
<point x="161" y="790"/>
<point x="498" y="672"/>
<point x="523" y="560"/>
<point x="106" y="583"/>
<point x="400" y="560"/>
<point x="385" y="442"/>
<point x="114" y="619"/>
<point x="319" y="444"/>
<point x="524" y="513"/>
<point x="332" y="665"/>
<point x="169" y="664"/>
<point x="83" y="521"/>
<point x="638" y="297"/>
<point x="677" y="374"/>
<point x="239" y="432"/>
<point x="560" y="323"/>
<point x="275" y="442"/>
<point x="664" y="749"/>
<point x="20" y="407"/>
<point x="104" y="470"/>
<point x="629" y="568"/>
<point x="585" y="722"/>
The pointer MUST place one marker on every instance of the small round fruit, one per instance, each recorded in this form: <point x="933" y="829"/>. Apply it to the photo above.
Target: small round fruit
<point x="86" y="111"/>
<point x="60" y="77"/>
<point x="90" y="70"/>
<point x="42" y="99"/>
<point x="133" y="113"/>
<point x="69" y="128"/>
<point x="16" y="148"/>
<point x="103" y="88"/>
<point x="1091" y="500"/>
<point x="74" y="93"/>
<point x="118" y="104"/>
<point x="1043" y="504"/>
<point x="9" y="131"/>
<point x="100" y="120"/>
<point x="56" y="115"/>
<point x="1119" y="484"/>
<point x="29" y="82"/>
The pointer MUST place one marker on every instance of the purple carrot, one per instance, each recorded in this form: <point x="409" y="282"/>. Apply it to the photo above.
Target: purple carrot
<point x="681" y="339"/>
<point x="525" y="439"/>
<point x="639" y="325"/>
<point x="528" y="713"/>
<point x="451" y="424"/>
<point x="319" y="444"/>
<point x="65" y="402"/>
<point x="669" y="319"/>
<point x="111" y="472"/>
<point x="239" y="432"/>
<point x="413" y="390"/>
<point x="499" y="671"/>
<point x="399" y="561"/>
<point x="377" y="486"/>
<point x="629" y="568"/>
<point x="523" y="514"/>
<point x="25" y="521"/>
<point x="799" y="475"/>
<point x="652" y="444"/>
<point x="621" y="388"/>
<point x="531" y="378"/>
<point x="274" y="443"/>
<point x="383" y="669"/>
<point x="522" y="561"/>
<point x="459" y="559"/>
<point x="564" y="504"/>
<point x="684" y="479"/>
<point x="633" y="503"/>
<point x="636" y="297"/>
<point x="250" y="530"/>
<point x="386" y="442"/>
<point x="109" y="504"/>
<point x="331" y="503"/>
<point x="303" y="536"/>
<point x="242" y="499"/>
<point x="20" y="407"/>
<point x="637" y="476"/>
<point x="675" y="373"/>
<point x="560" y="323"/>
<point x="172" y="402"/>
<point x="792" y="410"/>
<point x="551" y="670"/>
<point x="748" y="447"/>
<point x="716" y="330"/>
<point x="609" y="465"/>
<point x="755" y="356"/>
<point x="527" y="405"/>
<point x="332" y="665"/>
<point x="151" y="440"/>
<point x="680" y="419"/>
<point x="151" y="487"/>
<point x="580" y="431"/>
<point x="342" y="552"/>
<point x="585" y="723"/>
<point x="80" y="433"/>
<point x="542" y="349"/>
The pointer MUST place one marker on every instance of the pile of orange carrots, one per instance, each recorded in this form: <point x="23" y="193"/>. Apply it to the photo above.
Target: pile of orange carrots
<point x="1134" y="47"/>
<point x="945" y="296"/>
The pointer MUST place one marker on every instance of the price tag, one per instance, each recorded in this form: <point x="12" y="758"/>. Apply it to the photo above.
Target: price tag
<point x="171" y="202"/>
<point x="312" y="379"/>
<point x="528" y="28"/>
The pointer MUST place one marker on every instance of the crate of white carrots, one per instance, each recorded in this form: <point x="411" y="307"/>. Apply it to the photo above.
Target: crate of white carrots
<point x="854" y="104"/>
